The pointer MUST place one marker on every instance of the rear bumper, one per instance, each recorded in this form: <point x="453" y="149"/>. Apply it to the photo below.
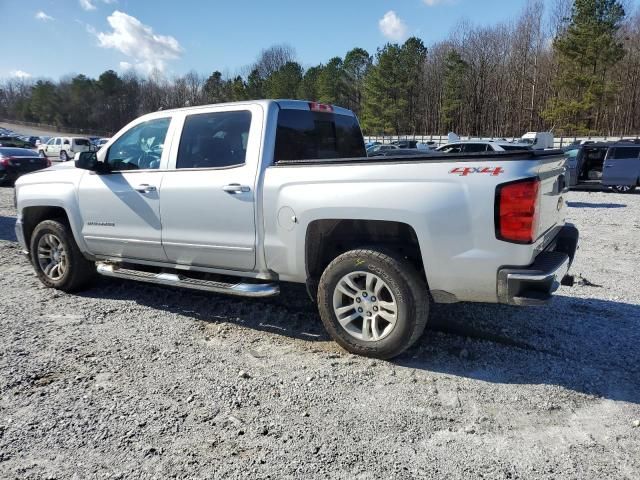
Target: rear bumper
<point x="535" y="284"/>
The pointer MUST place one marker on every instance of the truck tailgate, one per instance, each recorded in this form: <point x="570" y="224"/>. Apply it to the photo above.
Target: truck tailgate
<point x="553" y="176"/>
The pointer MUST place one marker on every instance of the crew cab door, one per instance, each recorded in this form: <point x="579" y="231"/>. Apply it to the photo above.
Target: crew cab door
<point x="622" y="166"/>
<point x="121" y="208"/>
<point x="209" y="193"/>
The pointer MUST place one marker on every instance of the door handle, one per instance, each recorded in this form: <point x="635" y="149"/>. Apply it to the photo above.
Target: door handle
<point x="145" y="188"/>
<point x="608" y="166"/>
<point x="236" y="188"/>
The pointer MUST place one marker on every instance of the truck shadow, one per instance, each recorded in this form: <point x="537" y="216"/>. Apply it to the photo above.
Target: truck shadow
<point x="587" y="345"/>
<point x="595" y="205"/>
<point x="7" y="231"/>
<point x="590" y="346"/>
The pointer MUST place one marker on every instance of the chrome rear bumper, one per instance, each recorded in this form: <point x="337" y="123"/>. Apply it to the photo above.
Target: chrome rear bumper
<point x="535" y="284"/>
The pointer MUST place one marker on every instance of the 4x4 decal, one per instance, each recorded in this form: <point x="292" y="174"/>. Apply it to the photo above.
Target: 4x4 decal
<point x="464" y="171"/>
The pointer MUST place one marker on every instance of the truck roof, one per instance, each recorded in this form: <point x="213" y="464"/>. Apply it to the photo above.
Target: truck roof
<point x="281" y="103"/>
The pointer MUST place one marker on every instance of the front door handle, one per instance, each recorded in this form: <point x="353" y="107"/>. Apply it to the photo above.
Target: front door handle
<point x="145" y="188"/>
<point x="236" y="188"/>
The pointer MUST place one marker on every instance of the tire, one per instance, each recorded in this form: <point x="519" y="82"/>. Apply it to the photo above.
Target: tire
<point x="74" y="273"/>
<point x="63" y="156"/>
<point x="402" y="287"/>
<point x="623" y="188"/>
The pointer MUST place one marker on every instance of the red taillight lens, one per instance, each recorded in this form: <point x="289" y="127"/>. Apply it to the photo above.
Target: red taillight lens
<point x="517" y="212"/>
<point x="48" y="161"/>
<point x="320" y="107"/>
<point x="4" y="161"/>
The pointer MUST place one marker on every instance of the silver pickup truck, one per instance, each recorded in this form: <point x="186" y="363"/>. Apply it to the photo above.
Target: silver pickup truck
<point x="235" y="198"/>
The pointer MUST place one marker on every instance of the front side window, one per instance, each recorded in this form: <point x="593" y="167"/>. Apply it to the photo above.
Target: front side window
<point x="452" y="148"/>
<point x="140" y="148"/>
<point x="58" y="141"/>
<point x="214" y="140"/>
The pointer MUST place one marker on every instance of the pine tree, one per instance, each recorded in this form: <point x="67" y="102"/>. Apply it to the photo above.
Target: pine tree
<point x="586" y="50"/>
<point x="455" y="70"/>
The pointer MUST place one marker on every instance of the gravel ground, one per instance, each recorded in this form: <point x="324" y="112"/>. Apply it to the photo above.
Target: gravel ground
<point x="134" y="381"/>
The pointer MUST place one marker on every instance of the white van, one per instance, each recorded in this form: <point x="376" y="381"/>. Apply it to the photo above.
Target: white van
<point x="64" y="148"/>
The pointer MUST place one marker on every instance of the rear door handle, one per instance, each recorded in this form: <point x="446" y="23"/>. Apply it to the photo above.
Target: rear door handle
<point x="145" y="188"/>
<point x="236" y="188"/>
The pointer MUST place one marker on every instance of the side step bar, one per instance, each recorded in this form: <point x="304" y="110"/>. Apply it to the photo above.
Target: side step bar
<point x="176" y="280"/>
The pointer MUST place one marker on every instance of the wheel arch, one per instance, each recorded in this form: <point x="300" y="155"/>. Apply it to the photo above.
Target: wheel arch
<point x="325" y="239"/>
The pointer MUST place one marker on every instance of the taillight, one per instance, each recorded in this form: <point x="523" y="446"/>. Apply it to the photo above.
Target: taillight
<point x="48" y="160"/>
<point x="517" y="212"/>
<point x="320" y="107"/>
<point x="4" y="162"/>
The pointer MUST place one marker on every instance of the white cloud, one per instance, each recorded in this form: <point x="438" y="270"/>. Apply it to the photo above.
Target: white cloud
<point x="392" y="26"/>
<point x="43" y="16"/>
<point x="90" y="4"/>
<point x="433" y="3"/>
<point x="136" y="40"/>
<point x="20" y="74"/>
<point x="87" y="5"/>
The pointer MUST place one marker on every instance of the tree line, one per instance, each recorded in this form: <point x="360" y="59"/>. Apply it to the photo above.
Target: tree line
<point x="574" y="69"/>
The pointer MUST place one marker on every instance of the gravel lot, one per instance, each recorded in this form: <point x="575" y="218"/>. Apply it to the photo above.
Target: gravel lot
<point x="134" y="381"/>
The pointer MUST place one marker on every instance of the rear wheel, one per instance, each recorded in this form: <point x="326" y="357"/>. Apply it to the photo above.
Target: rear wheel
<point x="373" y="303"/>
<point x="56" y="258"/>
<point x="623" y="188"/>
<point x="63" y="156"/>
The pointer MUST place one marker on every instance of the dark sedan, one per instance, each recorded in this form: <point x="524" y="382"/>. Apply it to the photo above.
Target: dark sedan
<point x="13" y="141"/>
<point x="18" y="161"/>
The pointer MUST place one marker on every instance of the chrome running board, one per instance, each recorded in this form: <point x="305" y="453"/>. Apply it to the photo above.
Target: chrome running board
<point x="176" y="280"/>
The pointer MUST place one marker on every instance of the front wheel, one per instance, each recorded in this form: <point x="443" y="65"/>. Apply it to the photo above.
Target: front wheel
<point x="57" y="259"/>
<point x="63" y="156"/>
<point x="623" y="188"/>
<point x="373" y="303"/>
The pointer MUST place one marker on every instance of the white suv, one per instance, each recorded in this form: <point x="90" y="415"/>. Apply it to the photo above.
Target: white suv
<point x="64" y="148"/>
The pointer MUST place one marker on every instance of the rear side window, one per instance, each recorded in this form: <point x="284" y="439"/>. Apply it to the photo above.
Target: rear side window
<point x="82" y="142"/>
<point x="625" y="152"/>
<point x="214" y="140"/>
<point x="307" y="135"/>
<point x="474" y="147"/>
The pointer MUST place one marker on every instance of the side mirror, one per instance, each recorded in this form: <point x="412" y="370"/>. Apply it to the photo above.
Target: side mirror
<point x="87" y="161"/>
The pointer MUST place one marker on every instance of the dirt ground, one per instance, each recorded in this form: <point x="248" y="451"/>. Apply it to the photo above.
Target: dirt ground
<point x="134" y="381"/>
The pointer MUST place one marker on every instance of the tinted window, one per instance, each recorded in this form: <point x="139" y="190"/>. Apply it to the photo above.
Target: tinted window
<point x="214" y="140"/>
<point x="82" y="141"/>
<point x="625" y="152"/>
<point x="452" y="148"/>
<point x="306" y="135"/>
<point x="140" y="147"/>
<point x="514" y="147"/>
<point x="474" y="147"/>
<point x="17" y="152"/>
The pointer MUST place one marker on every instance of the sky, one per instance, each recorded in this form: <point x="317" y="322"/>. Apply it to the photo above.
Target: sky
<point x="53" y="38"/>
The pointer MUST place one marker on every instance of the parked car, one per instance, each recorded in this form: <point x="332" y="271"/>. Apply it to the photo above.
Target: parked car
<point x="397" y="152"/>
<point x="14" y="141"/>
<point x="18" y="161"/>
<point x="380" y="148"/>
<point x="64" y="148"/>
<point x="101" y="142"/>
<point x="538" y="140"/>
<point x="480" y="146"/>
<point x="615" y="165"/>
<point x="405" y="143"/>
<point x="191" y="198"/>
